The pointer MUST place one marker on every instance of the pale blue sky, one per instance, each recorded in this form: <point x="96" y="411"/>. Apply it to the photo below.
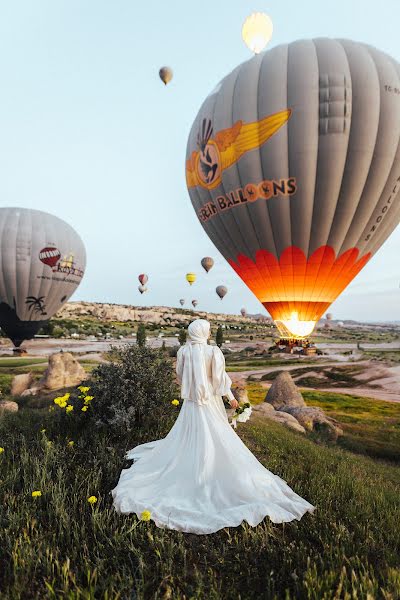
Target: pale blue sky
<point x="88" y="132"/>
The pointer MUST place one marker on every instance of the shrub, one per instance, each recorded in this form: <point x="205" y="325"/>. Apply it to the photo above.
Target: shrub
<point x="182" y="336"/>
<point x="219" y="338"/>
<point x="141" y="335"/>
<point x="133" y="390"/>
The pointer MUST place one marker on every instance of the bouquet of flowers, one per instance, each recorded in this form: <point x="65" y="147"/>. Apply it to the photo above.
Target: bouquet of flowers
<point x="241" y="414"/>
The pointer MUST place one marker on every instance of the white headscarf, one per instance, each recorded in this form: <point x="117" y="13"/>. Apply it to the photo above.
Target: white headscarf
<point x="192" y="359"/>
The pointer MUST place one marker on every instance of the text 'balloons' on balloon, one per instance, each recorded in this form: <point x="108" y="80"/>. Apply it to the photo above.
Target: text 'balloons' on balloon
<point x="142" y="289"/>
<point x="42" y="267"/>
<point x="143" y="278"/>
<point x="194" y="303"/>
<point x="221" y="290"/>
<point x="207" y="263"/>
<point x="165" y="74"/>
<point x="182" y="301"/>
<point x="257" y="31"/>
<point x="297" y="222"/>
<point x="191" y="278"/>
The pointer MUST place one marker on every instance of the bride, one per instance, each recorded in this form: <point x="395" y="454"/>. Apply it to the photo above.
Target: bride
<point x="201" y="477"/>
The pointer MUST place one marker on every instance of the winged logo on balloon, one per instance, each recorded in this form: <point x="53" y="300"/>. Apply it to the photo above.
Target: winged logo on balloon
<point x="215" y="154"/>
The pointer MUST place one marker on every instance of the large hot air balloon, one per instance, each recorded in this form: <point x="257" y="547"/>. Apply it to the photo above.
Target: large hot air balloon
<point x="194" y="303"/>
<point x="165" y="74"/>
<point x="182" y="301"/>
<point x="191" y="278"/>
<point x="207" y="263"/>
<point x="221" y="291"/>
<point x="293" y="168"/>
<point x="243" y="312"/>
<point x="142" y="289"/>
<point x="42" y="263"/>
<point x="143" y="278"/>
<point x="257" y="31"/>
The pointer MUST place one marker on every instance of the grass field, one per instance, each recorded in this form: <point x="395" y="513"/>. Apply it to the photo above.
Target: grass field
<point x="59" y="546"/>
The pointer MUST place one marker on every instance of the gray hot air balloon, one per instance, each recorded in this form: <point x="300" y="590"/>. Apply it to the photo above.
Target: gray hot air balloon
<point x="207" y="263"/>
<point x="194" y="303"/>
<point x="142" y="289"/>
<point x="182" y="301"/>
<point x="221" y="291"/>
<point x="43" y="262"/>
<point x="165" y="74"/>
<point x="243" y="312"/>
<point x="293" y="169"/>
<point x="329" y="316"/>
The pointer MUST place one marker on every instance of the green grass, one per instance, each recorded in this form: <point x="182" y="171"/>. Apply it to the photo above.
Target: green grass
<point x="20" y="362"/>
<point x="58" y="546"/>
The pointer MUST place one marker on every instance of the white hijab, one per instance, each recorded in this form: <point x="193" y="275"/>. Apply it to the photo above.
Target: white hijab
<point x="194" y="380"/>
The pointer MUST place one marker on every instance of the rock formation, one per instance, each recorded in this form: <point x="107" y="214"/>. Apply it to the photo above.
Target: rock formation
<point x="20" y="383"/>
<point x="8" y="406"/>
<point x="63" y="371"/>
<point x="284" y="392"/>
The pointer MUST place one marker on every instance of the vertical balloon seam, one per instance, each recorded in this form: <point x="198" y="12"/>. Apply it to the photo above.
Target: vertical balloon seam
<point x="48" y="234"/>
<point x="210" y="226"/>
<point x="337" y="255"/>
<point x="235" y="167"/>
<point x="392" y="164"/>
<point x="352" y="207"/>
<point x="344" y="241"/>
<point x="266" y="211"/>
<point x="382" y="199"/>
<point x="350" y="233"/>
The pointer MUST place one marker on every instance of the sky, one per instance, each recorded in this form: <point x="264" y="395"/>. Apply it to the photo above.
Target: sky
<point x="89" y="133"/>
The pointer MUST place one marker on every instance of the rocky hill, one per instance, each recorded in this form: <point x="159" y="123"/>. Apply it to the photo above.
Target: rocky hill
<point x="158" y="315"/>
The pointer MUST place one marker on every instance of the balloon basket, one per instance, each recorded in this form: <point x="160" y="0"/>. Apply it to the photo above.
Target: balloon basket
<point x="19" y="351"/>
<point x="295" y="345"/>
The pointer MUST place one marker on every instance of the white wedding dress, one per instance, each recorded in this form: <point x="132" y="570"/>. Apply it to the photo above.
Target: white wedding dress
<point x="201" y="477"/>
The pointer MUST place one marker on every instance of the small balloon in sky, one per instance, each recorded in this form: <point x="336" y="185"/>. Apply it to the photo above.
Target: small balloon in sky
<point x="182" y="301"/>
<point x="165" y="74"/>
<point x="191" y="278"/>
<point x="221" y="290"/>
<point x="207" y="263"/>
<point x="194" y="303"/>
<point x="257" y="31"/>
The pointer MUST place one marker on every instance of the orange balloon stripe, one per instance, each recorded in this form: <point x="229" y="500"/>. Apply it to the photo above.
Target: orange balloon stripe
<point x="295" y="284"/>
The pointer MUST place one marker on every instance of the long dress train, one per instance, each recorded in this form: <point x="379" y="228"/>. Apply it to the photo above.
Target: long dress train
<point x="201" y="477"/>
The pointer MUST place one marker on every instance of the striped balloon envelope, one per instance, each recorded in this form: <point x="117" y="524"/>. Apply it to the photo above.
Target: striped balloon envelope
<point x="293" y="169"/>
<point x="42" y="263"/>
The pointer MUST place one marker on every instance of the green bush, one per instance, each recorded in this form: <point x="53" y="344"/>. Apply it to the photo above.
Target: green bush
<point x="133" y="390"/>
<point x="141" y="335"/>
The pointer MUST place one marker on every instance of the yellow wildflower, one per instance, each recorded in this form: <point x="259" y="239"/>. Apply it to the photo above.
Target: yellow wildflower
<point x="92" y="499"/>
<point x="83" y="389"/>
<point x="58" y="400"/>
<point x="145" y="516"/>
<point x="71" y="443"/>
<point x="69" y="408"/>
<point x="84" y="408"/>
<point x="36" y="493"/>
<point x="63" y="405"/>
<point x="175" y="402"/>
<point x="1" y="450"/>
<point x="87" y="399"/>
<point x="66" y="396"/>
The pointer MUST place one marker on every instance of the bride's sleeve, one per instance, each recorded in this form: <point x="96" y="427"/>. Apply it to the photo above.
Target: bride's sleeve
<point x="179" y="365"/>
<point x="220" y="379"/>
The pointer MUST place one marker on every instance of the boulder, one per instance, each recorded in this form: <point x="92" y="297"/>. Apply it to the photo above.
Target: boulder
<point x="278" y="416"/>
<point x="63" y="371"/>
<point x="283" y="392"/>
<point x="313" y="418"/>
<point x="20" y="383"/>
<point x="8" y="406"/>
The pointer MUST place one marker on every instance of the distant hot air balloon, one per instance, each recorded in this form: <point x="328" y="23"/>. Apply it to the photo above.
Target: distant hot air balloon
<point x="207" y="263"/>
<point x="195" y="303"/>
<point x="191" y="278"/>
<point x="329" y="316"/>
<point x="143" y="278"/>
<point x="165" y="74"/>
<point x="243" y="312"/>
<point x="257" y="31"/>
<point x="142" y="289"/>
<point x="297" y="221"/>
<point x="221" y="291"/>
<point x="182" y="301"/>
<point x="43" y="262"/>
